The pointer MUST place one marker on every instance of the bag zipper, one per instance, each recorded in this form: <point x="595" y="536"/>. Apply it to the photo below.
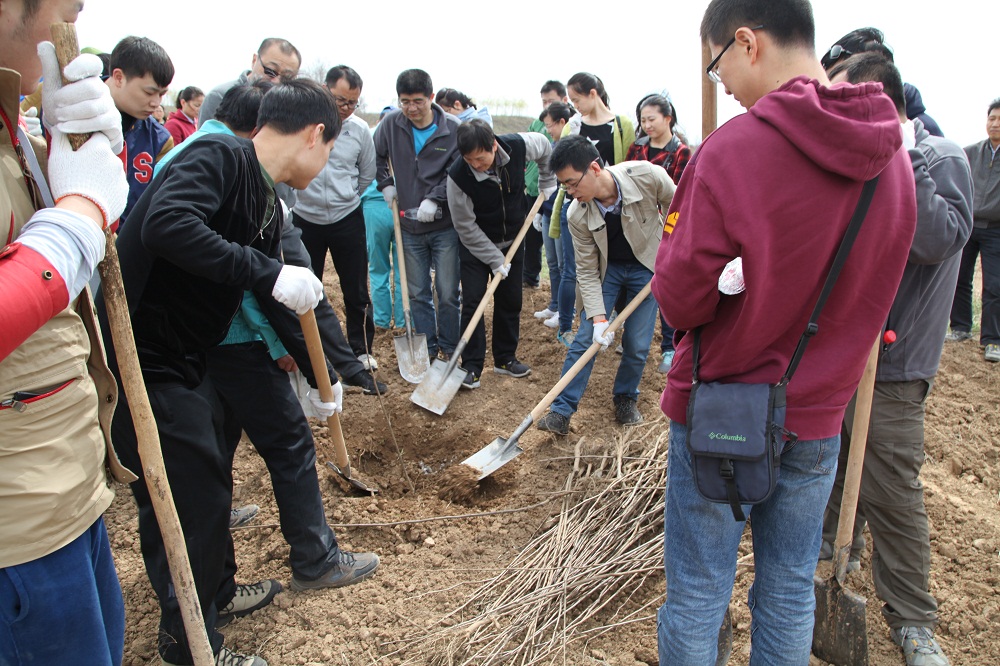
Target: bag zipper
<point x="21" y="399"/>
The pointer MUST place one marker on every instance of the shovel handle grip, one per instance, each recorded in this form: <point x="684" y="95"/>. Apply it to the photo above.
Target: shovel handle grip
<point x="310" y="330"/>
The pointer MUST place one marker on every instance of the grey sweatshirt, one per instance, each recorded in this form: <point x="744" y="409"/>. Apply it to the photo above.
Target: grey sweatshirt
<point x="336" y="191"/>
<point x="215" y="95"/>
<point x="986" y="183"/>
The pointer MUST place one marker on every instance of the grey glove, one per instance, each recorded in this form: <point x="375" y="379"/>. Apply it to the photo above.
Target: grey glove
<point x="427" y="211"/>
<point x="389" y="193"/>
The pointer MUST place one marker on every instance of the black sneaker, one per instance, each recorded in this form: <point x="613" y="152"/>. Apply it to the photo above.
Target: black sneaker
<point x="471" y="380"/>
<point x="555" y="423"/>
<point x="351" y="568"/>
<point x="227" y="657"/>
<point x="512" y="368"/>
<point x="626" y="411"/>
<point x="248" y="598"/>
<point x="366" y="383"/>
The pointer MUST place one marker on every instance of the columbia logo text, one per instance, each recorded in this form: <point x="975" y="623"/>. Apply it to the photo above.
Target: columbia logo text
<point x="727" y="436"/>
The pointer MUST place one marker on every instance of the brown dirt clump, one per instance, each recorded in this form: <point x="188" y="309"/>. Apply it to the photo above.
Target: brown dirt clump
<point x="458" y="483"/>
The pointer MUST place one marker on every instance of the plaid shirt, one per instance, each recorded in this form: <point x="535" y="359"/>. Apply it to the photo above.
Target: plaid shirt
<point x="673" y="158"/>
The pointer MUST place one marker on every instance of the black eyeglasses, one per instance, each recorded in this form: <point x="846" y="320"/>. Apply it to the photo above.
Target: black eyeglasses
<point x="835" y="53"/>
<point x="345" y="103"/>
<point x="274" y="74"/>
<point x="712" y="70"/>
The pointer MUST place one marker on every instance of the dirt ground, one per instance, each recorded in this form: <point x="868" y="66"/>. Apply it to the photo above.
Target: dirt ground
<point x="430" y="567"/>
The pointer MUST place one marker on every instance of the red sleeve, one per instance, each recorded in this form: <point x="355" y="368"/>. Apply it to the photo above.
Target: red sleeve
<point x="31" y="293"/>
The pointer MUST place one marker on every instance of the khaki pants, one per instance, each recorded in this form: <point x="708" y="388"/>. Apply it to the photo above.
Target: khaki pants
<point x="892" y="502"/>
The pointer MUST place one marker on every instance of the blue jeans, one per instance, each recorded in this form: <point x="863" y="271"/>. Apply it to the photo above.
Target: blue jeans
<point x="700" y="547"/>
<point x="437" y="250"/>
<point x="65" y="607"/>
<point x="381" y="240"/>
<point x="553" y="257"/>
<point x="567" y="285"/>
<point x="636" y="338"/>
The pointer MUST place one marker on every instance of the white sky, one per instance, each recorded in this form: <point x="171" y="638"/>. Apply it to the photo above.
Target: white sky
<point x="944" y="49"/>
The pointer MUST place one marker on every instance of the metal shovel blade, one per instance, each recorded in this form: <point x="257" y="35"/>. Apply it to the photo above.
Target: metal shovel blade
<point x="493" y="456"/>
<point x="840" y="636"/>
<point x="355" y="483"/>
<point x="438" y="387"/>
<point x="411" y="354"/>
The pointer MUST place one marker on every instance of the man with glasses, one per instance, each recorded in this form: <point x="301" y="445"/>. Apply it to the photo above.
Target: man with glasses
<point x="616" y="226"/>
<point x="276" y="60"/>
<point x="785" y="212"/>
<point x="330" y="216"/>
<point x="420" y="141"/>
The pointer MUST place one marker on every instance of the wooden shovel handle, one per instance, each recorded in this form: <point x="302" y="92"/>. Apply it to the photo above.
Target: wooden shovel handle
<point x="147" y="436"/>
<point x="318" y="361"/>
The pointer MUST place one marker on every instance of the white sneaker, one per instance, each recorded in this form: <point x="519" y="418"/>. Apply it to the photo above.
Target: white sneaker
<point x="371" y="365"/>
<point x="544" y="314"/>
<point x="553" y="321"/>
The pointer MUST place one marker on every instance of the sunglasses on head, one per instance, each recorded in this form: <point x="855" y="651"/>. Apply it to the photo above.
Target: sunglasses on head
<point x="835" y="53"/>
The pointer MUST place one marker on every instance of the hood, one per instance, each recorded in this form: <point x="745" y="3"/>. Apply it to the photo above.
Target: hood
<point x="849" y="130"/>
<point x="914" y="101"/>
<point x="919" y="131"/>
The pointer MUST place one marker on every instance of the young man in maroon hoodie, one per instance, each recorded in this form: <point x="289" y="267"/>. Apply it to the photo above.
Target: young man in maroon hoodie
<point x="776" y="186"/>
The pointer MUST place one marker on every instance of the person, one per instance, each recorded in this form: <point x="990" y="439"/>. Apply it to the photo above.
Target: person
<point x="330" y="214"/>
<point x="892" y="498"/>
<point x="419" y="140"/>
<point x="660" y="144"/>
<point x="486" y="199"/>
<point x="805" y="137"/>
<point x="383" y="262"/>
<point x="139" y="73"/>
<point x="612" y="134"/>
<point x="184" y="120"/>
<point x="206" y="229"/>
<point x="984" y="241"/>
<point x="56" y="394"/>
<point x="276" y="60"/>
<point x="551" y="91"/>
<point x="553" y="119"/>
<point x="459" y="104"/>
<point x="616" y="223"/>
<point x="159" y="115"/>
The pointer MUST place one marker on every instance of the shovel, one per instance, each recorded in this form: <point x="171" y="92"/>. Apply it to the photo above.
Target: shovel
<point x="501" y="451"/>
<point x="315" y="347"/>
<point x="840" y="635"/>
<point x="411" y="349"/>
<point x="441" y="384"/>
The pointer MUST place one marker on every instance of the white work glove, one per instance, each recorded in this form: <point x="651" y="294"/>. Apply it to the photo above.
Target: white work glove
<point x="32" y="122"/>
<point x="601" y="334"/>
<point x="503" y="270"/>
<point x="427" y="211"/>
<point x="909" y="135"/>
<point x="731" y="279"/>
<point x="93" y="172"/>
<point x="297" y="289"/>
<point x="549" y="191"/>
<point x="389" y="193"/>
<point x="325" y="410"/>
<point x="80" y="107"/>
<point x="537" y="223"/>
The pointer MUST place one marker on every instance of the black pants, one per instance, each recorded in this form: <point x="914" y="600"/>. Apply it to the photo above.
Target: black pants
<point x="348" y="248"/>
<point x="984" y="243"/>
<point x="257" y="398"/>
<point x="533" y="244"/>
<point x="189" y="421"/>
<point x="506" y="310"/>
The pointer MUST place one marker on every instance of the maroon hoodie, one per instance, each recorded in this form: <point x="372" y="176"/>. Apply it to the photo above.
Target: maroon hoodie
<point x="180" y="126"/>
<point x="777" y="186"/>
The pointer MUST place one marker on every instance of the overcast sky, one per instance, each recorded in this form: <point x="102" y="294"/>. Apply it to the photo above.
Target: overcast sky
<point x="506" y="50"/>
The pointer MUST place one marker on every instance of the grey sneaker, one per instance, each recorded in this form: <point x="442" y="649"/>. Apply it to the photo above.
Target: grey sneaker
<point x="853" y="559"/>
<point x="512" y="369"/>
<point x="248" y="598"/>
<point x="919" y="646"/>
<point x="566" y="337"/>
<point x="242" y="515"/>
<point x="992" y="353"/>
<point x="627" y="411"/>
<point x="620" y="349"/>
<point x="555" y="423"/>
<point x="369" y="362"/>
<point x="957" y="336"/>
<point x="351" y="568"/>
<point x="227" y="657"/>
<point x="666" y="362"/>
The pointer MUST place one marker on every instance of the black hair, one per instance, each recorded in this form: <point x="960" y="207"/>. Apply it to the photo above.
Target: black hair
<point x="995" y="104"/>
<point x="139" y="56"/>
<point x="873" y="66"/>
<point x="292" y="106"/>
<point x="862" y="40"/>
<point x="474" y="135"/>
<point x="574" y="151"/>
<point x="413" y="82"/>
<point x="448" y="97"/>
<point x="240" y="105"/>
<point x="661" y="102"/>
<point x="339" y="72"/>
<point x="584" y="82"/>
<point x="188" y="94"/>
<point x="788" y="22"/>
<point x="553" y="86"/>
<point x="283" y="45"/>
<point x="557" y="111"/>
